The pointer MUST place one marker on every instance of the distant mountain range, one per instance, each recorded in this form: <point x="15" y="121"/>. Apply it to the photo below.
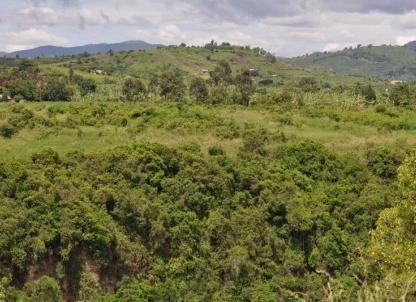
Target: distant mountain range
<point x="380" y="62"/>
<point x="411" y="45"/>
<point x="52" y="51"/>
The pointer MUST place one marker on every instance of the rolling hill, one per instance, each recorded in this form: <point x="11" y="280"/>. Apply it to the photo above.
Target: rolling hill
<point x="51" y="51"/>
<point x="381" y="62"/>
<point x="411" y="45"/>
<point x="191" y="61"/>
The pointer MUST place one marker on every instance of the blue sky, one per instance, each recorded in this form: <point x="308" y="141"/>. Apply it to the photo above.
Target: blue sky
<point x="285" y="27"/>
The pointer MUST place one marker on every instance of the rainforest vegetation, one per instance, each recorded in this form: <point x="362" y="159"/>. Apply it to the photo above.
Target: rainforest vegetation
<point x="215" y="173"/>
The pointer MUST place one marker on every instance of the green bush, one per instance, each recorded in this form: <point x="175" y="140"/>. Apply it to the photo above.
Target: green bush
<point x="57" y="90"/>
<point x="7" y="131"/>
<point x="134" y="89"/>
<point x="198" y="89"/>
<point x="45" y="289"/>
<point x="86" y="86"/>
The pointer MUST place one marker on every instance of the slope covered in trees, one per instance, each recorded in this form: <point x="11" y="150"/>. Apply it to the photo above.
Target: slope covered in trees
<point x="381" y="62"/>
<point x="235" y="185"/>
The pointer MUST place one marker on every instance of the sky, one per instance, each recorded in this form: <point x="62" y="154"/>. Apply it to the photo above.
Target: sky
<point x="284" y="27"/>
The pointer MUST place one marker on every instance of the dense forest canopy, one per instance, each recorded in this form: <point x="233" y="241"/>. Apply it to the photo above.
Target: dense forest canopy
<point x="214" y="173"/>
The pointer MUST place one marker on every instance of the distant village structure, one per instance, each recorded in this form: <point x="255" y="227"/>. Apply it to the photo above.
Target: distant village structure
<point x="204" y="72"/>
<point x="99" y="72"/>
<point x="395" y="82"/>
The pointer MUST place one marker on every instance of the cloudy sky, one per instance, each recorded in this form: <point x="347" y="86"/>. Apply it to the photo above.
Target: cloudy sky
<point x="285" y="27"/>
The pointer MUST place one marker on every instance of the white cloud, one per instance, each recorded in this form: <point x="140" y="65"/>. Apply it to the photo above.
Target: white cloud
<point x="401" y="40"/>
<point x="28" y="39"/>
<point x="285" y="27"/>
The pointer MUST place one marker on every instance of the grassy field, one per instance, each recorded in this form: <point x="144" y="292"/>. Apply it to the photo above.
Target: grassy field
<point x="93" y="127"/>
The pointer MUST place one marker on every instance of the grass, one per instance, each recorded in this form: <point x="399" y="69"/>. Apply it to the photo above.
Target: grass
<point x="76" y="128"/>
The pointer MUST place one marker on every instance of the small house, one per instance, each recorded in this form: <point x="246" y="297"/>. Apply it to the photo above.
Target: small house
<point x="204" y="72"/>
<point x="98" y="72"/>
<point x="395" y="82"/>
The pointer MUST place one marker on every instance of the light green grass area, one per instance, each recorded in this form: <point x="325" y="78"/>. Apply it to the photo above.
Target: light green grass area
<point x="93" y="127"/>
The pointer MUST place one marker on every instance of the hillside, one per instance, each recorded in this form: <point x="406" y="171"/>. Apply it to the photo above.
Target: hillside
<point x="411" y="45"/>
<point x="52" y="51"/>
<point x="382" y="62"/>
<point x="191" y="61"/>
<point x="155" y="182"/>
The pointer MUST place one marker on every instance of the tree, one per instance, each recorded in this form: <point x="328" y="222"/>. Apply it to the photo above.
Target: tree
<point x="198" y="89"/>
<point x="222" y="74"/>
<point x="57" y="90"/>
<point x="366" y="91"/>
<point x="393" y="244"/>
<point x="245" y="87"/>
<point x="401" y="95"/>
<point x="170" y="86"/>
<point x="134" y="89"/>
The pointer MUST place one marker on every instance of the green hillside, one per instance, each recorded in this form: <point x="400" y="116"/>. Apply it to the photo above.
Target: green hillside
<point x="190" y="61"/>
<point x="151" y="182"/>
<point x="382" y="62"/>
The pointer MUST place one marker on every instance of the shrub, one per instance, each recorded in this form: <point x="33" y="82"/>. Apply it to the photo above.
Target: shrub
<point x="134" y="89"/>
<point x="222" y="74"/>
<point x="45" y="289"/>
<point x="384" y="162"/>
<point x="198" y="89"/>
<point x="308" y="85"/>
<point x="366" y="91"/>
<point x="216" y="151"/>
<point x="266" y="82"/>
<point x="170" y="86"/>
<point x="24" y="89"/>
<point x="254" y="141"/>
<point x="57" y="90"/>
<point x="86" y="86"/>
<point x="245" y="87"/>
<point x="401" y="95"/>
<point x="7" y="131"/>
<point x="381" y="108"/>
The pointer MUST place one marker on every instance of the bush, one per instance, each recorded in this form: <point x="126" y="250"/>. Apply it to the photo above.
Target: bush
<point x="198" y="89"/>
<point x="86" y="86"/>
<point x="216" y="151"/>
<point x="384" y="162"/>
<point x="134" y="89"/>
<point x="381" y="108"/>
<point x="7" y="131"/>
<point x="45" y="289"/>
<point x="266" y="82"/>
<point x="170" y="86"/>
<point x="367" y="92"/>
<point x="245" y="87"/>
<point x="57" y="90"/>
<point x="401" y="95"/>
<point x="254" y="141"/>
<point x="24" y="89"/>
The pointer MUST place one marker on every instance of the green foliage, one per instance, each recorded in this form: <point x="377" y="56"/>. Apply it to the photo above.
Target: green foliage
<point x="57" y="90"/>
<point x="170" y="86"/>
<point x="222" y="74"/>
<point x="7" y="131"/>
<point x="134" y="89"/>
<point x="184" y="225"/>
<point x="393" y="242"/>
<point x="401" y="95"/>
<point x="365" y="91"/>
<point x="384" y="62"/>
<point x="198" y="90"/>
<point x="384" y="162"/>
<point x="86" y="86"/>
<point x="245" y="87"/>
<point x="45" y="289"/>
